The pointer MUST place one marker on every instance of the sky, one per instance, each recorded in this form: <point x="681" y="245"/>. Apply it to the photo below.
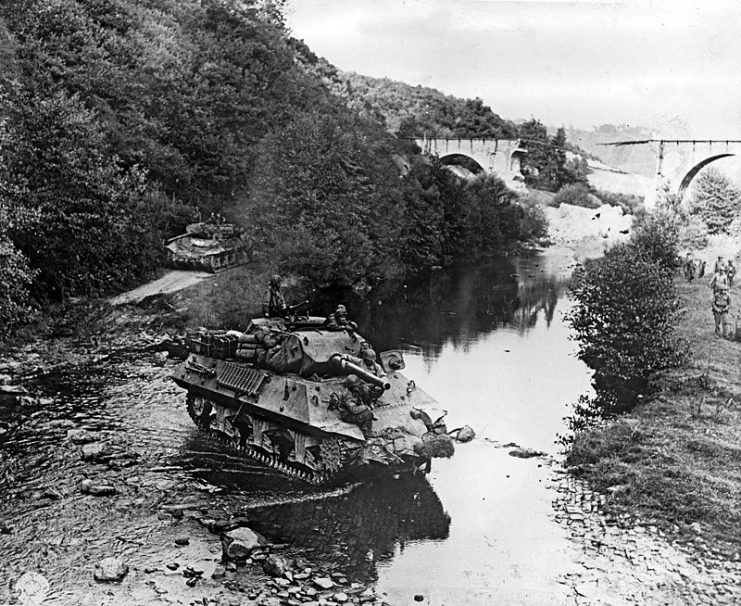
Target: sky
<point x="672" y="65"/>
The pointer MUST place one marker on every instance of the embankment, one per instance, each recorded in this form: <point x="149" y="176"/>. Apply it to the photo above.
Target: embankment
<point x="674" y="460"/>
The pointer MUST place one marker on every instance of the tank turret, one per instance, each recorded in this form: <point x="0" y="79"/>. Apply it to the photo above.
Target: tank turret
<point x="210" y="245"/>
<point x="302" y="399"/>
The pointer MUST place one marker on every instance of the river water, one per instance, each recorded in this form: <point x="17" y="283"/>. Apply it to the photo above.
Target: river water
<point x="489" y="343"/>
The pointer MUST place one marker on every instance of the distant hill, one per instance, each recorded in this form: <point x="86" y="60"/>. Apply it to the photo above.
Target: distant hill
<point x="638" y="159"/>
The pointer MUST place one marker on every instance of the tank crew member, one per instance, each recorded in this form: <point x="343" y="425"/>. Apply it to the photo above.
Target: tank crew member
<point x="719" y="279"/>
<point x="369" y="363"/>
<point x="731" y="273"/>
<point x="274" y="304"/>
<point x="356" y="410"/>
<point x="721" y="307"/>
<point x="337" y="320"/>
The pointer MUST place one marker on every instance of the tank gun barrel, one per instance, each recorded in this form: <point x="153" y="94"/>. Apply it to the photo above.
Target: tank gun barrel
<point x="348" y="368"/>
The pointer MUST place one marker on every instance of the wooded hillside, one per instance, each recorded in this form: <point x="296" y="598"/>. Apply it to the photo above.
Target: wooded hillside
<point x="120" y="118"/>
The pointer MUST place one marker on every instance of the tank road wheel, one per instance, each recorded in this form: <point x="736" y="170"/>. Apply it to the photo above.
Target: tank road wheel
<point x="199" y="409"/>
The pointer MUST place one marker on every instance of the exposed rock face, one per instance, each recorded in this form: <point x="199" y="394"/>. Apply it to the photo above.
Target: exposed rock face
<point x="110" y="570"/>
<point x="239" y="543"/>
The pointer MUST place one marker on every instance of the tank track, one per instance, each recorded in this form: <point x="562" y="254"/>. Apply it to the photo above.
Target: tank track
<point x="258" y="455"/>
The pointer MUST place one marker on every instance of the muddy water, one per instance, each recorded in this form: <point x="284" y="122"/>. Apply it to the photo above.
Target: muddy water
<point x="490" y="344"/>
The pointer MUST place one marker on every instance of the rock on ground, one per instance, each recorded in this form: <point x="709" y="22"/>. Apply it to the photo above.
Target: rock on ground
<point x="239" y="543"/>
<point x="276" y="566"/>
<point x="98" y="490"/>
<point x="110" y="570"/>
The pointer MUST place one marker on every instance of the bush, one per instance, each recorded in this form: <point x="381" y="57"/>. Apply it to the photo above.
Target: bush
<point x="577" y="195"/>
<point x="534" y="224"/>
<point x="656" y="236"/>
<point x="16" y="277"/>
<point x="624" y="317"/>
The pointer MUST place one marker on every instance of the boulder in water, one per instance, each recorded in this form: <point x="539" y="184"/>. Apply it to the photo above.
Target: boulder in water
<point x="465" y="434"/>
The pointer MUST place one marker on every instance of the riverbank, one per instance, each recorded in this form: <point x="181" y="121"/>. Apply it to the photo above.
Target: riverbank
<point x="674" y="461"/>
<point x="94" y="376"/>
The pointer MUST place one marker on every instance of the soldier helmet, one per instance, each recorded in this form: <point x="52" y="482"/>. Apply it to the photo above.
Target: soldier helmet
<point x="369" y="355"/>
<point x="275" y="281"/>
<point x="352" y="381"/>
<point x="341" y="310"/>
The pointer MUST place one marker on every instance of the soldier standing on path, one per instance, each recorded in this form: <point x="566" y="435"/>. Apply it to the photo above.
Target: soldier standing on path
<point x="720" y="263"/>
<point x="689" y="268"/>
<point x="731" y="273"/>
<point x="721" y="308"/>
<point x="719" y="279"/>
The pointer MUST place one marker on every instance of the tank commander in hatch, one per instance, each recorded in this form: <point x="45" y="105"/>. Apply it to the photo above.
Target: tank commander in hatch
<point x="274" y="303"/>
<point x="337" y="320"/>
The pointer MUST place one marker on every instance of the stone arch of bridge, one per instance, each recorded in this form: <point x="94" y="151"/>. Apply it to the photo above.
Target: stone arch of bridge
<point x="459" y="155"/>
<point x="692" y="173"/>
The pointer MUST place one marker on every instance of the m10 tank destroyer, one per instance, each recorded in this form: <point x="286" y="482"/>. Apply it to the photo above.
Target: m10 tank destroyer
<point x="309" y="401"/>
<point x="210" y="245"/>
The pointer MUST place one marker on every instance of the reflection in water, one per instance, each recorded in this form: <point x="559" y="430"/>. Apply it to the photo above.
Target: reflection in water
<point x="360" y="528"/>
<point x="459" y="306"/>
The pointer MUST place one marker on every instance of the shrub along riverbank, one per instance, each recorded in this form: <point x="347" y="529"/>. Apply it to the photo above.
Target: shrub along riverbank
<point x="673" y="459"/>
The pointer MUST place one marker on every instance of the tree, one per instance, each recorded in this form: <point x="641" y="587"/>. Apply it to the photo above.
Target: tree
<point x="324" y="200"/>
<point x="95" y="228"/>
<point x="623" y="321"/>
<point x="716" y="200"/>
<point x="16" y="275"/>
<point x="554" y="174"/>
<point x="492" y="217"/>
<point x="534" y="137"/>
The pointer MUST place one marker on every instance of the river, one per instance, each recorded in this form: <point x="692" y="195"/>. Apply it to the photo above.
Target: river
<point x="489" y="343"/>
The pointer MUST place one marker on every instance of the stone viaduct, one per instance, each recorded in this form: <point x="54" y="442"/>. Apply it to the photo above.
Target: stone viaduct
<point x="502" y="157"/>
<point x="678" y="161"/>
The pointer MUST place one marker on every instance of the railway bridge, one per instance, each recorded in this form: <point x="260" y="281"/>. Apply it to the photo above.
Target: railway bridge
<point x="678" y="161"/>
<point x="501" y="157"/>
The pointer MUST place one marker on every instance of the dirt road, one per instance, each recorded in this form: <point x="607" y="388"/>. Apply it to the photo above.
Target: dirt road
<point x="172" y="281"/>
